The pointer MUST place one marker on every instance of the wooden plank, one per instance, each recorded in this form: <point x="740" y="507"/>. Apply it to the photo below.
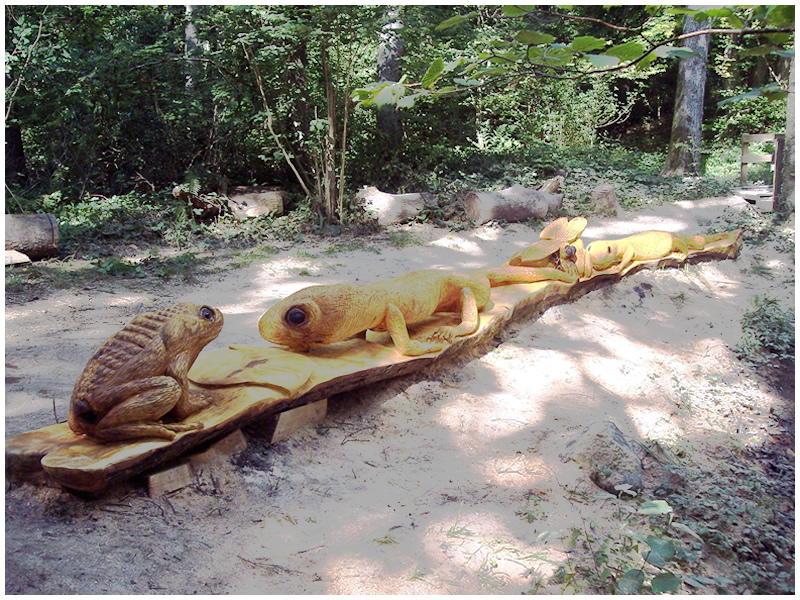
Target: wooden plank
<point x="749" y="159"/>
<point x="253" y="383"/>
<point x="287" y="422"/>
<point x="170" y="480"/>
<point x="758" y="137"/>
<point x="227" y="447"/>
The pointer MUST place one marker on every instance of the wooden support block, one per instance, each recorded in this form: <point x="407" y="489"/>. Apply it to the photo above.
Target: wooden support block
<point x="170" y="480"/>
<point x="228" y="446"/>
<point x="286" y="423"/>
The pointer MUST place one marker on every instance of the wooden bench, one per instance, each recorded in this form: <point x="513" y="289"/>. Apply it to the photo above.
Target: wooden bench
<point x="763" y="196"/>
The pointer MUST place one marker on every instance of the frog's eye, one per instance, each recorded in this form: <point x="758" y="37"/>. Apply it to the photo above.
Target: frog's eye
<point x="295" y="316"/>
<point x="207" y="313"/>
<point x="570" y="251"/>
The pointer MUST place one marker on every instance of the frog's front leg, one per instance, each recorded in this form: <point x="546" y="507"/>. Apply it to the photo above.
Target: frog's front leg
<point x="189" y="401"/>
<point x="137" y="415"/>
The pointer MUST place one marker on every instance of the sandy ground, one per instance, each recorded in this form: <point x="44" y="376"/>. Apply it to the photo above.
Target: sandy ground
<point x="439" y="482"/>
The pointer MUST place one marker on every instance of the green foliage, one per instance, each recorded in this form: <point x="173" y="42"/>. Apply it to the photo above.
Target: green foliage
<point x="768" y="338"/>
<point x="643" y="554"/>
<point x="738" y="508"/>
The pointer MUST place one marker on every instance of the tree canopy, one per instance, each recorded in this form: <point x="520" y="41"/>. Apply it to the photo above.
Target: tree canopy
<point x="107" y="98"/>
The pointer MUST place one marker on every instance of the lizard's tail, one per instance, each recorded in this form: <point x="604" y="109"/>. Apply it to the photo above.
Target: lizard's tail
<point x="505" y="275"/>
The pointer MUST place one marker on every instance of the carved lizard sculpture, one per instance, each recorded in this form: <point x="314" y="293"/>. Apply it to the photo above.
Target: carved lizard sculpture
<point x="647" y="245"/>
<point x="320" y="315"/>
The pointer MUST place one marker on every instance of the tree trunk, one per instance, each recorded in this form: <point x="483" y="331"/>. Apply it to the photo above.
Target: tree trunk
<point x="193" y="48"/>
<point x="785" y="202"/>
<point x="16" y="170"/>
<point x="687" y="120"/>
<point x="329" y="151"/>
<point x="390" y="51"/>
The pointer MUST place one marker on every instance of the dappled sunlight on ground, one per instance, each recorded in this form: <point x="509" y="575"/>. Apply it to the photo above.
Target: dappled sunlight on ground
<point x="448" y="481"/>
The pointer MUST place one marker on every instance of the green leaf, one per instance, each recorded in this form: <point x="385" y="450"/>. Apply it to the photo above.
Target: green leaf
<point x="735" y="22"/>
<point x="664" y="548"/>
<point x="656" y="507"/>
<point x="645" y="62"/>
<point x="781" y="15"/>
<point x="433" y="73"/>
<point x="665" y="582"/>
<point x="631" y="582"/>
<point x="655" y="559"/>
<point x="686" y="529"/>
<point x="587" y="43"/>
<point x="516" y="11"/>
<point x="456" y="20"/>
<point x="408" y="101"/>
<point x="778" y="38"/>
<point x="526" y="36"/>
<point x="674" y="52"/>
<point x="762" y="50"/>
<point x="602" y="60"/>
<point x="626" y="51"/>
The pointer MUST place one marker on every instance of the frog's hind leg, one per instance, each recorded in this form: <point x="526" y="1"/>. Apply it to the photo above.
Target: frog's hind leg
<point x="137" y="416"/>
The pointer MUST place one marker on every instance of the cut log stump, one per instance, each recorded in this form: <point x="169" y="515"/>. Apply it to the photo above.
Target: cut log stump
<point x="35" y="236"/>
<point x="514" y="204"/>
<point x="393" y="208"/>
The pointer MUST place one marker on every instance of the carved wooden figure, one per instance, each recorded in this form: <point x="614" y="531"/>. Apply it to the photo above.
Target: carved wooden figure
<point x="139" y="375"/>
<point x="647" y="245"/>
<point x="324" y="314"/>
<point x="250" y="383"/>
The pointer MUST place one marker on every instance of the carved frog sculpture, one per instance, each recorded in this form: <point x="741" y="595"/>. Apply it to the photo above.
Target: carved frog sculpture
<point x="139" y="375"/>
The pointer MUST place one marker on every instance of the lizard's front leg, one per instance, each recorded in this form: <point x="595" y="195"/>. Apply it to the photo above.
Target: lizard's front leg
<point x="395" y="324"/>
<point x="470" y="320"/>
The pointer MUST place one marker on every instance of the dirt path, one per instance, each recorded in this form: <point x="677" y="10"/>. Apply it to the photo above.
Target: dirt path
<point x="440" y="482"/>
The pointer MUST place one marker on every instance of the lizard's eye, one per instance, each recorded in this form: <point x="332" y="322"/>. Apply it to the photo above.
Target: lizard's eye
<point x="207" y="313"/>
<point x="295" y="316"/>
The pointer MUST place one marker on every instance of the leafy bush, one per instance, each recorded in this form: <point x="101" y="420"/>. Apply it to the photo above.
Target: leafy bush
<point x="768" y="334"/>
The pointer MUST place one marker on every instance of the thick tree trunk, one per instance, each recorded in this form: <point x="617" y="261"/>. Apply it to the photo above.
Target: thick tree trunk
<point x="687" y="120"/>
<point x="193" y="48"/>
<point x="785" y="202"/>
<point x="16" y="169"/>
<point x="390" y="51"/>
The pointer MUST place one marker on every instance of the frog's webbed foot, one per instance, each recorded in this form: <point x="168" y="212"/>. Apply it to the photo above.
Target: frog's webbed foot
<point x="194" y="402"/>
<point x="180" y="427"/>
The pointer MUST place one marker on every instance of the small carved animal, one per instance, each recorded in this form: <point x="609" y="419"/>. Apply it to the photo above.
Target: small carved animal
<point x="648" y="245"/>
<point x="139" y="375"/>
<point x="324" y="314"/>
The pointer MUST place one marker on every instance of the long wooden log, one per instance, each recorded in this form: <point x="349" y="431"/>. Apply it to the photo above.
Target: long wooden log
<point x="36" y="236"/>
<point x="254" y="383"/>
<point x="514" y="204"/>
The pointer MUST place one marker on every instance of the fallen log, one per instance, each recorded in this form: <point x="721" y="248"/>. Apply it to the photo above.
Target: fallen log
<point x="247" y="202"/>
<point x="35" y="236"/>
<point x="252" y="384"/>
<point x="393" y="208"/>
<point x="514" y="204"/>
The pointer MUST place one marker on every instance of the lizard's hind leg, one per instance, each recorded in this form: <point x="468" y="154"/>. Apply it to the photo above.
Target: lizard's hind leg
<point x="470" y="319"/>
